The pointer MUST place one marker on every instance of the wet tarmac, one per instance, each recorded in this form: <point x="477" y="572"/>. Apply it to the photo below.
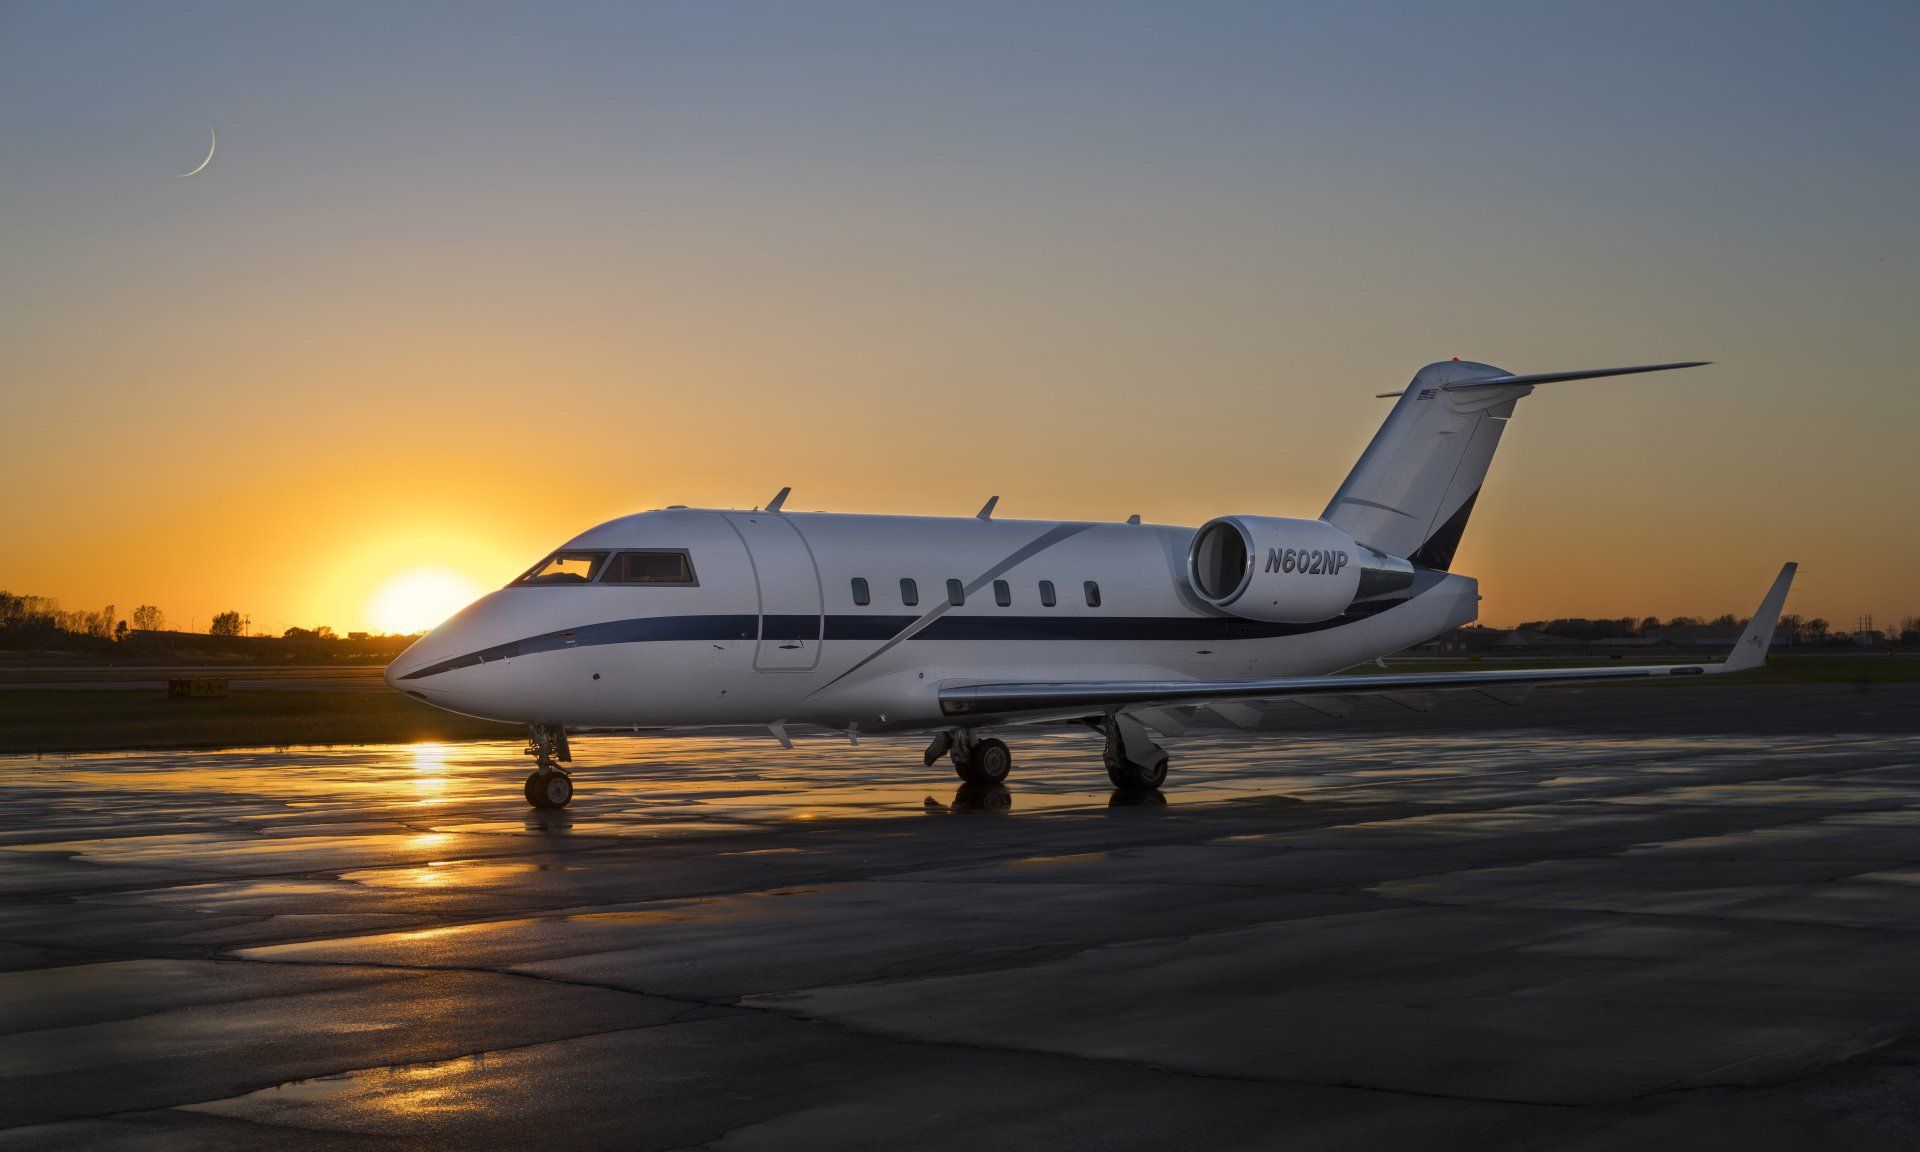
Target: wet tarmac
<point x="355" y="678"/>
<point x="1617" y="918"/>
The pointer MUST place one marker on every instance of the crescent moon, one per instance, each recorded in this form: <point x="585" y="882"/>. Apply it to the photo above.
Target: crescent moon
<point x="214" y="142"/>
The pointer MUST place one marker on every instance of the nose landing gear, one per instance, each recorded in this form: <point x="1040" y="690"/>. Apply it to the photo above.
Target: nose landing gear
<point x="549" y="787"/>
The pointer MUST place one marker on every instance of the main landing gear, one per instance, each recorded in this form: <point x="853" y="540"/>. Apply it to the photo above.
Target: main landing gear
<point x="1134" y="762"/>
<point x="977" y="759"/>
<point x="549" y="787"/>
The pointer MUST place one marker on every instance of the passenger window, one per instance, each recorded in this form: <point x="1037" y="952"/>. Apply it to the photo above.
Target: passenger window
<point x="860" y="595"/>
<point x="909" y="593"/>
<point x="956" y="595"/>
<point x="1047" y="599"/>
<point x="651" y="566"/>
<point x="565" y="568"/>
<point x="1093" y="594"/>
<point x="1002" y="595"/>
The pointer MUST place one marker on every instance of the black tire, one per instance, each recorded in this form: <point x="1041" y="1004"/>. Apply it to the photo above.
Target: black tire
<point x="988" y="762"/>
<point x="1127" y="775"/>
<point x="549" y="791"/>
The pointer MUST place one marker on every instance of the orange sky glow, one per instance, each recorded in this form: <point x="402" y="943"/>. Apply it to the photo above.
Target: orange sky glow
<point x="441" y="311"/>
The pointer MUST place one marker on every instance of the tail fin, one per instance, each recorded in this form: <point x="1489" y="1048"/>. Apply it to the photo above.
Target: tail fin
<point x="1415" y="485"/>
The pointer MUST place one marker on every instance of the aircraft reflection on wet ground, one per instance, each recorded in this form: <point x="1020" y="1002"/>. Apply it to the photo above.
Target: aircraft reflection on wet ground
<point x="1629" y="921"/>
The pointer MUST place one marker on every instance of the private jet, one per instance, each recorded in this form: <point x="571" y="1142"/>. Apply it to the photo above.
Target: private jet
<point x="966" y="628"/>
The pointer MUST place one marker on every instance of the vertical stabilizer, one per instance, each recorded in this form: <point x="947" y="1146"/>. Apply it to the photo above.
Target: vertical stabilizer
<point x="1415" y="485"/>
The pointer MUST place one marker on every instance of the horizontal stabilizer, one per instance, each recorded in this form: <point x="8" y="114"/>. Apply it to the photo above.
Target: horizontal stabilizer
<point x="1555" y="377"/>
<point x="1509" y="380"/>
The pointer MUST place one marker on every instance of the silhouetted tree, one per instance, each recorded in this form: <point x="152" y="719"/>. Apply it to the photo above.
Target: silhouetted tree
<point x="24" y="615"/>
<point x="1649" y="622"/>
<point x="120" y="630"/>
<point x="98" y="624"/>
<point x="147" y="618"/>
<point x="225" y="624"/>
<point x="321" y="633"/>
<point x="1683" y="622"/>
<point x="1818" y="628"/>
<point x="1726" y="620"/>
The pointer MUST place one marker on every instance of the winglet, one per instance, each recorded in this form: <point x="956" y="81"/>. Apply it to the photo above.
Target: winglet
<point x="1751" y="649"/>
<point x="779" y="498"/>
<point x="986" y="510"/>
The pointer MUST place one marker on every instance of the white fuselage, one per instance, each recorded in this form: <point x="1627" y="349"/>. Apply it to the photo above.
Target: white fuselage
<point x="770" y="631"/>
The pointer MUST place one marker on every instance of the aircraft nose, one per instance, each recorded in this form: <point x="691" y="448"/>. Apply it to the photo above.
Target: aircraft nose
<point x="468" y="637"/>
<point x="403" y="673"/>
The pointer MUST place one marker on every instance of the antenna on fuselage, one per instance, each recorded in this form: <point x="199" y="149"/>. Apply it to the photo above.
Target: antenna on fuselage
<point x="986" y="510"/>
<point x="779" y="498"/>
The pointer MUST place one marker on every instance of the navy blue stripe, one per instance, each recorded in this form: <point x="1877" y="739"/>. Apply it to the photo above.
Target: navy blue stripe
<point x="790" y="628"/>
<point x="611" y="632"/>
<point x="953" y="626"/>
<point x="864" y="627"/>
<point x="1187" y="628"/>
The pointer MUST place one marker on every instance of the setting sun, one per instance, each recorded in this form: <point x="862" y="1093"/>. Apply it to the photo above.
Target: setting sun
<point x="420" y="598"/>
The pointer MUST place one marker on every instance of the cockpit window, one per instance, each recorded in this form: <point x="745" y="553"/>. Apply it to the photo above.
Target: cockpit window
<point x="651" y="566"/>
<point x="565" y="568"/>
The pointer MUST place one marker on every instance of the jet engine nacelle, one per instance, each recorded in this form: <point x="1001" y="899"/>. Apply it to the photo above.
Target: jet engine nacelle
<point x="1290" y="571"/>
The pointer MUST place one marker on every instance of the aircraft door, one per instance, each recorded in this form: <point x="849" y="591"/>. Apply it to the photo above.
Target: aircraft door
<point x="791" y="622"/>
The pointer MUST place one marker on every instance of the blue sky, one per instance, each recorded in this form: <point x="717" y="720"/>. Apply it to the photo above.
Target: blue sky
<point x="1131" y="258"/>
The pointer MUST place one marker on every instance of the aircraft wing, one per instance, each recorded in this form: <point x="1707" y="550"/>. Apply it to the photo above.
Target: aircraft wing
<point x="1095" y="696"/>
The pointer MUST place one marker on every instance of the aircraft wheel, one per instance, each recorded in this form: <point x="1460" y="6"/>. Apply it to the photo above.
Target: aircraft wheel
<point x="987" y="763"/>
<point x="549" y="790"/>
<point x="1127" y="775"/>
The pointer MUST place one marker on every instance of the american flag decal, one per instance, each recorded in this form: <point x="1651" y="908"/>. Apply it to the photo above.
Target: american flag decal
<point x="1427" y="393"/>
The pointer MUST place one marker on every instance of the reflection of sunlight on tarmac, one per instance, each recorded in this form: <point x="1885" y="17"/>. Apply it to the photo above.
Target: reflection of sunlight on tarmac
<point x="427" y="816"/>
<point x="429" y="772"/>
<point x="409" y="1094"/>
<point x="464" y="874"/>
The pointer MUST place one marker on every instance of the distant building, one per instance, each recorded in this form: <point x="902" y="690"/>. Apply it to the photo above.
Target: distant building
<point x="1708" y="636"/>
<point x="1476" y="639"/>
<point x="1653" y="642"/>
